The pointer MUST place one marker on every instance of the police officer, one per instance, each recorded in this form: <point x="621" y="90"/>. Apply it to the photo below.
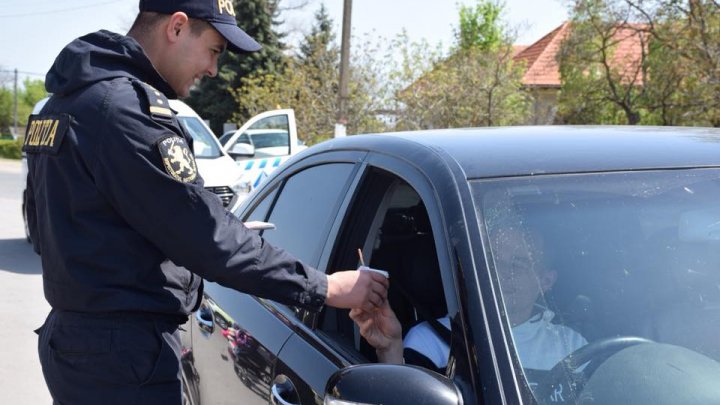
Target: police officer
<point x="119" y="215"/>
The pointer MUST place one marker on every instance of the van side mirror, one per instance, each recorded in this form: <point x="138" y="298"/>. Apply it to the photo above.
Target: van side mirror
<point x="242" y="150"/>
<point x="390" y="384"/>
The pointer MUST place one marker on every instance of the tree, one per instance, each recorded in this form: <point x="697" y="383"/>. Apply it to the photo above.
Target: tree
<point x="603" y="65"/>
<point x="309" y="85"/>
<point x="675" y="78"/>
<point x="29" y="94"/>
<point x="477" y="85"/>
<point x="689" y="33"/>
<point x="480" y="26"/>
<point x="213" y="99"/>
<point x="6" y="109"/>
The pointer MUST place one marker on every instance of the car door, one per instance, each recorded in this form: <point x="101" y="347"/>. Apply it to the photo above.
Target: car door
<point x="282" y="121"/>
<point x="378" y="223"/>
<point x="235" y="337"/>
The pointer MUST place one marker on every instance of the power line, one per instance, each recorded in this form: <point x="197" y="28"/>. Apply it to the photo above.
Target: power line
<point x="20" y="71"/>
<point x="62" y="10"/>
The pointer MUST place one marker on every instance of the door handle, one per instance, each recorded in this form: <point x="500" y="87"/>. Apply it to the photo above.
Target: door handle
<point x="283" y="389"/>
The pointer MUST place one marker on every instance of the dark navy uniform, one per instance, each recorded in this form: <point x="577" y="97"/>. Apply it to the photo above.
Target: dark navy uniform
<point x="126" y="231"/>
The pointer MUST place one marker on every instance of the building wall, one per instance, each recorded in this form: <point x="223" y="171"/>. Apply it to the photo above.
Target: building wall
<point x="544" y="107"/>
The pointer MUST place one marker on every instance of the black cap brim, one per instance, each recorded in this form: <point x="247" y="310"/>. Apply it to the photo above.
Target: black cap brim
<point x="238" y="40"/>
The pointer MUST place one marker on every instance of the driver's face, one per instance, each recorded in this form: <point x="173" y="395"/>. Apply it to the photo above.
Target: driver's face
<point x="523" y="276"/>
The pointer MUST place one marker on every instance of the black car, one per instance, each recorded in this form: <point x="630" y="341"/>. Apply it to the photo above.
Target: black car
<point x="629" y="224"/>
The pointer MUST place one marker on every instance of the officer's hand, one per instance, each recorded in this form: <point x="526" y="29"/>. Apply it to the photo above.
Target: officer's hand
<point x="382" y="330"/>
<point x="356" y="289"/>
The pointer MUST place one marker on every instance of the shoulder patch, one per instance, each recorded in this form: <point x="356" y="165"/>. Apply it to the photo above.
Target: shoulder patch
<point x="159" y="107"/>
<point x="45" y="133"/>
<point x="177" y="159"/>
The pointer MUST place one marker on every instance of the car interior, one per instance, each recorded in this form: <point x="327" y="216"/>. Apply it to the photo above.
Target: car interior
<point x="623" y="271"/>
<point x="392" y="229"/>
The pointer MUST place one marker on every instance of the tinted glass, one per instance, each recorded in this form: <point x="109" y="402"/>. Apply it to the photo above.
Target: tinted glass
<point x="306" y="208"/>
<point x="204" y="143"/>
<point x="259" y="213"/>
<point x="599" y="258"/>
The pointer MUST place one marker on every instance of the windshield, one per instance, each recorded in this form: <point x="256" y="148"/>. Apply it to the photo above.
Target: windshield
<point x="204" y="143"/>
<point x="620" y="269"/>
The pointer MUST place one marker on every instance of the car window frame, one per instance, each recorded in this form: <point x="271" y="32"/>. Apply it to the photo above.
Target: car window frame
<point x="273" y="190"/>
<point x="420" y="182"/>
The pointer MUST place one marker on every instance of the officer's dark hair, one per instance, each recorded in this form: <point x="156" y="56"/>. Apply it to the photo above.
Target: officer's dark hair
<point x="147" y="20"/>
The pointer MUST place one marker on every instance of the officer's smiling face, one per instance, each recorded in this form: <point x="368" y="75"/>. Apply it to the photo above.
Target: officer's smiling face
<point x="194" y="56"/>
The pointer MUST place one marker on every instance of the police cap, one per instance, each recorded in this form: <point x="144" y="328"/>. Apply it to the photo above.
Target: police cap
<point x="218" y="13"/>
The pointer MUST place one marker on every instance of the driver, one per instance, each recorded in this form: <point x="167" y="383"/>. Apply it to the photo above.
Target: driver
<point x="524" y="279"/>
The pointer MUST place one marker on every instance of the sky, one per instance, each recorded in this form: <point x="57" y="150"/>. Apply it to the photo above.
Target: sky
<point x="32" y="32"/>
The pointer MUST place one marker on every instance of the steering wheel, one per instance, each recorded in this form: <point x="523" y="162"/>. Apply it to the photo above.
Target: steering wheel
<point x="569" y="376"/>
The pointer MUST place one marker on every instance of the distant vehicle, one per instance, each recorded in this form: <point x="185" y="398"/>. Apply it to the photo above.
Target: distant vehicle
<point x="216" y="167"/>
<point x="262" y="144"/>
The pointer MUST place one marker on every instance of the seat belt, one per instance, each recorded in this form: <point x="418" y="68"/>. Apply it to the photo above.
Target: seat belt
<point x="439" y="329"/>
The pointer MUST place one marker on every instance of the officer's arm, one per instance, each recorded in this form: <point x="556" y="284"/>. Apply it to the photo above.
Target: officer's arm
<point x="137" y="167"/>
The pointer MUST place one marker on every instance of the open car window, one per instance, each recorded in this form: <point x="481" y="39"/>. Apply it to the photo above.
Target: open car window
<point x="389" y="223"/>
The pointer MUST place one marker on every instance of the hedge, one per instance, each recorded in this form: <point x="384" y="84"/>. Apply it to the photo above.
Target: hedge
<point x="10" y="149"/>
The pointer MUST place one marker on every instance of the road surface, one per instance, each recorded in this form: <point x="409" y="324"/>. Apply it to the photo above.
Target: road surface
<point x="22" y="305"/>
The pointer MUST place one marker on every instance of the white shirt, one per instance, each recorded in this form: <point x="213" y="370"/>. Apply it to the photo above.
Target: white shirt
<point x="540" y="343"/>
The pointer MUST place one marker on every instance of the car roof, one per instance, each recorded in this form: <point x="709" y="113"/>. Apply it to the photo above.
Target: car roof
<point x="520" y="151"/>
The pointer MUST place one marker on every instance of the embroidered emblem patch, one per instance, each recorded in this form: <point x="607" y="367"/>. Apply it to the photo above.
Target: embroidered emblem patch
<point x="45" y="133"/>
<point x="177" y="159"/>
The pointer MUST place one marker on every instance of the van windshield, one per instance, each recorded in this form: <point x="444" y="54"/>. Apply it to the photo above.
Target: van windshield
<point x="205" y="145"/>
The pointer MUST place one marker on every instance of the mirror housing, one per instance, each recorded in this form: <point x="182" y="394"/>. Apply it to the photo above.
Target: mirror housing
<point x="390" y="384"/>
<point x="242" y="150"/>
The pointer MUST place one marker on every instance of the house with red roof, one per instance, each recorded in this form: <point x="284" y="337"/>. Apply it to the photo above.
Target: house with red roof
<point x="542" y="71"/>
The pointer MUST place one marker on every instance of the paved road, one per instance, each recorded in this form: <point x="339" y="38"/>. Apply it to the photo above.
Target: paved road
<point x="22" y="305"/>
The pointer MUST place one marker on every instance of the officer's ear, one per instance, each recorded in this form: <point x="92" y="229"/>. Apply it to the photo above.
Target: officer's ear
<point x="178" y="22"/>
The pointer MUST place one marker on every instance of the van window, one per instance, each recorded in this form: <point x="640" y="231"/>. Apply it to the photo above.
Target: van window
<point x="205" y="145"/>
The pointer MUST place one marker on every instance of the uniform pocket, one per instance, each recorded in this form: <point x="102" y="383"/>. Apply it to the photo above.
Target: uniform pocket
<point x="79" y="340"/>
<point x="144" y="351"/>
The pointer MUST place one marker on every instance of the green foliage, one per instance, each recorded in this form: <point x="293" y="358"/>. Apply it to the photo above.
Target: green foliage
<point x="478" y="85"/>
<point x="6" y="109"/>
<point x="689" y="34"/>
<point x="469" y="89"/>
<point x="30" y="93"/>
<point x="480" y="26"/>
<point x="309" y="85"/>
<point x="678" y="65"/>
<point x="212" y="99"/>
<point x="10" y="149"/>
<point x="597" y="83"/>
<point x="34" y="92"/>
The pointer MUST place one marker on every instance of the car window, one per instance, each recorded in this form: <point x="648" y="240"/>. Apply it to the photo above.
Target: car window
<point x="389" y="224"/>
<point x="261" y="210"/>
<point x="605" y="259"/>
<point x="204" y="143"/>
<point x="306" y="208"/>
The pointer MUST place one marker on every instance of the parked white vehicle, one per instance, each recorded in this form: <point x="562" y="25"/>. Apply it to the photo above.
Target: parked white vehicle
<point x="219" y="171"/>
<point x="262" y="144"/>
<point x="216" y="167"/>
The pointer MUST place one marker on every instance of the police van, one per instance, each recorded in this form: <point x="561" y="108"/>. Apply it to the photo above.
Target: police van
<point x="262" y="144"/>
<point x="219" y="171"/>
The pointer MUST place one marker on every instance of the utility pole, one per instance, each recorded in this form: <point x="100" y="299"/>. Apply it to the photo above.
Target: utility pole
<point x="341" y="120"/>
<point x="15" y="118"/>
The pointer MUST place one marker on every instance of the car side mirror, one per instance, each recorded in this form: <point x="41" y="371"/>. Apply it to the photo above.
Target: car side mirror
<point x="389" y="384"/>
<point x="242" y="150"/>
